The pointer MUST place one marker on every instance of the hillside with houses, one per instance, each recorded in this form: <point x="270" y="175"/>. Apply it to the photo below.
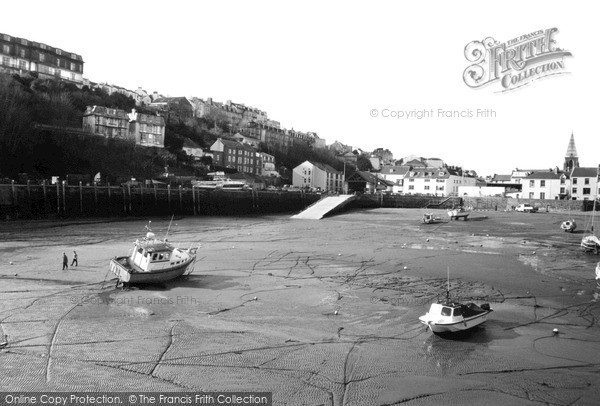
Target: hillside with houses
<point x="57" y="124"/>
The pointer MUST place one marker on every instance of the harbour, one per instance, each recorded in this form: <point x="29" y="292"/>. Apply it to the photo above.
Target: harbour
<point x="314" y="311"/>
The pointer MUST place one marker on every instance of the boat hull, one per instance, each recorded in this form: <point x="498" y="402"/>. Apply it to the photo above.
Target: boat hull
<point x="128" y="273"/>
<point x="454" y="327"/>
<point x="457" y="214"/>
<point x="590" y="243"/>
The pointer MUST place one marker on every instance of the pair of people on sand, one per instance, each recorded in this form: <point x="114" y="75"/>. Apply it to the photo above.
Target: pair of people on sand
<point x="66" y="260"/>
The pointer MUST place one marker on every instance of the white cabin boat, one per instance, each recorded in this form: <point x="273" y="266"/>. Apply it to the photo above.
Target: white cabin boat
<point x="453" y="317"/>
<point x="152" y="261"/>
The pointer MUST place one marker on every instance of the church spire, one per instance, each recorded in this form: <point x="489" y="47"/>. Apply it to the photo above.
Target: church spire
<point x="571" y="158"/>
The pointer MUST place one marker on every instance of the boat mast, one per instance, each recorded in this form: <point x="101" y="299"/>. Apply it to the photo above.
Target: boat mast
<point x="448" y="285"/>
<point x="168" y="229"/>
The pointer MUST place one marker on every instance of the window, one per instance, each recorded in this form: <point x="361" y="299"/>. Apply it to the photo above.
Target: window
<point x="411" y="180"/>
<point x="5" y="49"/>
<point x="562" y="181"/>
<point x="542" y="195"/>
<point x="586" y="190"/>
<point x="22" y="53"/>
<point x="427" y="187"/>
<point x="439" y="180"/>
<point x="574" y="181"/>
<point x="574" y="190"/>
<point x="22" y="65"/>
<point x="23" y="41"/>
<point x="427" y="180"/>
<point x="446" y="311"/>
<point x="42" y="57"/>
<point x="411" y="187"/>
<point x="562" y="190"/>
<point x="531" y="183"/>
<point x="586" y="181"/>
<point x="5" y="60"/>
<point x="531" y="195"/>
<point x="542" y="183"/>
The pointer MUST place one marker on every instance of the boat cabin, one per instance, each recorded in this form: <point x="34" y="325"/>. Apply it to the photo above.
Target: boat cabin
<point x="455" y="312"/>
<point x="152" y="254"/>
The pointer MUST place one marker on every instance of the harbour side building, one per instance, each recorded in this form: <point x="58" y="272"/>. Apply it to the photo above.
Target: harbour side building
<point x="21" y="56"/>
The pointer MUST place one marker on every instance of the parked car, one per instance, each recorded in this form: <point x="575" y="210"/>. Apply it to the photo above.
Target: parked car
<point x="526" y="208"/>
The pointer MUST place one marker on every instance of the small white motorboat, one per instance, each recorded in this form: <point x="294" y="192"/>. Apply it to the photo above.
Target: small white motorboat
<point x="452" y="317"/>
<point x="568" y="226"/>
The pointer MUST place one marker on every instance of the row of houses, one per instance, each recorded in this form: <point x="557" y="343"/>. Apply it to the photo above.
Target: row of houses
<point x="21" y="56"/>
<point x="143" y="129"/>
<point x="572" y="182"/>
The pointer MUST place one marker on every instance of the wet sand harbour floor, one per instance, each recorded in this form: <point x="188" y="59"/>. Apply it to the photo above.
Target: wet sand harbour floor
<point x="378" y="269"/>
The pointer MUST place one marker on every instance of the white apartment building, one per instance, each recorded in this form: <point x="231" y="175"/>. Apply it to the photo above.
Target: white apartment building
<point x="318" y="175"/>
<point x="435" y="181"/>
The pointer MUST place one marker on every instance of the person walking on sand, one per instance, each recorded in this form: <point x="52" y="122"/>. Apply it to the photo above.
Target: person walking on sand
<point x="74" y="258"/>
<point x="65" y="261"/>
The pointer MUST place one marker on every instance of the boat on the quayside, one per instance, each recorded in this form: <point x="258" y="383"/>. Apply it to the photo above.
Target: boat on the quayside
<point x="153" y="260"/>
<point x="452" y="317"/>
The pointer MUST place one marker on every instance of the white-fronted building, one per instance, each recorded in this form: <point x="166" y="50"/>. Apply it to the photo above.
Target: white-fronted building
<point x="436" y="181"/>
<point x="318" y="175"/>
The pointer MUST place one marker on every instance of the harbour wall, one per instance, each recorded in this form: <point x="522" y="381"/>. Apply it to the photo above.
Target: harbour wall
<point x="507" y="204"/>
<point x="62" y="200"/>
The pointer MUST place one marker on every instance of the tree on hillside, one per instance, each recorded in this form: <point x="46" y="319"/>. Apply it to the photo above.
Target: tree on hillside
<point x="15" y="120"/>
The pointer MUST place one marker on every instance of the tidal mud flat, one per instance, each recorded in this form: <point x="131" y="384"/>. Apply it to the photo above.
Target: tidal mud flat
<point x="317" y="312"/>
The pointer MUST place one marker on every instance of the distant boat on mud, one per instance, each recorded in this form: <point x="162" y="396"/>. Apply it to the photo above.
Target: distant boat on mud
<point x="568" y="226"/>
<point x="430" y="218"/>
<point x="456" y="214"/>
<point x="153" y="260"/>
<point x="591" y="242"/>
<point x="452" y="317"/>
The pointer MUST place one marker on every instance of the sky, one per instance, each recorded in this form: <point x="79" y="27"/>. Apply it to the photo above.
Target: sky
<point x="343" y="68"/>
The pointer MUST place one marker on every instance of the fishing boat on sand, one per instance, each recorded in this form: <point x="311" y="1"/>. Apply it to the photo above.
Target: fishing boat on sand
<point x="456" y="214"/>
<point x="452" y="317"/>
<point x="153" y="260"/>
<point x="430" y="218"/>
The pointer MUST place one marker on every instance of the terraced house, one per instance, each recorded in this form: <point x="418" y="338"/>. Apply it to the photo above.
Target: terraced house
<point x="545" y="184"/>
<point x="234" y="155"/>
<point x="20" y="56"/>
<point x="435" y="181"/>
<point x="318" y="175"/>
<point x="143" y="129"/>
<point x="584" y="183"/>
